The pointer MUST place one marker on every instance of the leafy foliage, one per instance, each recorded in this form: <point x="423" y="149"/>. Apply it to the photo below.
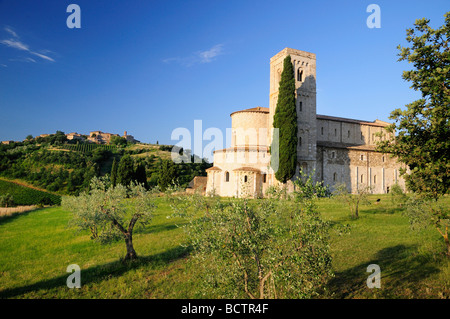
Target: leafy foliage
<point x="54" y="170"/>
<point x="114" y="172"/>
<point x="398" y="196"/>
<point x="111" y="213"/>
<point x="125" y="171"/>
<point x="118" y="140"/>
<point x="423" y="140"/>
<point x="6" y="200"/>
<point x="266" y="248"/>
<point x="353" y="200"/>
<point x="423" y="130"/>
<point x="285" y="119"/>
<point x="68" y="168"/>
<point x="167" y="174"/>
<point x="423" y="212"/>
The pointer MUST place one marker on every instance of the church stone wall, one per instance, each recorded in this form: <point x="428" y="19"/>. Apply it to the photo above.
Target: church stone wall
<point x="249" y="128"/>
<point x="339" y="150"/>
<point x="356" y="168"/>
<point x="339" y="131"/>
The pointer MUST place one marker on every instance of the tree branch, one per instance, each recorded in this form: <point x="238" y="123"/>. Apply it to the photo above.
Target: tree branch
<point x="245" y="277"/>
<point x="114" y="221"/>
<point x="133" y="222"/>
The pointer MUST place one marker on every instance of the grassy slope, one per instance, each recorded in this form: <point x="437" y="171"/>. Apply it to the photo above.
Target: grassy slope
<point x="25" y="195"/>
<point x="25" y="184"/>
<point x="411" y="262"/>
<point x="36" y="248"/>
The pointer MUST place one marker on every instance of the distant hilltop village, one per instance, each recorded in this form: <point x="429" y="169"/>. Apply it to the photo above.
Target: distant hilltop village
<point x="100" y="137"/>
<point x="97" y="137"/>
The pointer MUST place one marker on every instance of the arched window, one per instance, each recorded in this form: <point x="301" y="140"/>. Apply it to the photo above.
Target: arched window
<point x="227" y="176"/>
<point x="245" y="179"/>
<point x="334" y="177"/>
<point x="299" y="75"/>
<point x="299" y="141"/>
<point x="264" y="178"/>
<point x="321" y="130"/>
<point x="375" y="179"/>
<point x="300" y="106"/>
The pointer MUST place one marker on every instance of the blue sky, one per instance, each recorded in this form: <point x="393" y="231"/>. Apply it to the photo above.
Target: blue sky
<point x="149" y="67"/>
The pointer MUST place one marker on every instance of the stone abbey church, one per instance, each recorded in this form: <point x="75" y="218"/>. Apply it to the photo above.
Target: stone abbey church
<point x="337" y="150"/>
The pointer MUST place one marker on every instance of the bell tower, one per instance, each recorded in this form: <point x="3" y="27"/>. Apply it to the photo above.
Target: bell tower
<point x="305" y="98"/>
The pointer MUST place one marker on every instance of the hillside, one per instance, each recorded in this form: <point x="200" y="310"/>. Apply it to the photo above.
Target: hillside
<point x="23" y="195"/>
<point x="66" y="167"/>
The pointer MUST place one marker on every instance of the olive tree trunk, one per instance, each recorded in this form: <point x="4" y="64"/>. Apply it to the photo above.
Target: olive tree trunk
<point x="131" y="253"/>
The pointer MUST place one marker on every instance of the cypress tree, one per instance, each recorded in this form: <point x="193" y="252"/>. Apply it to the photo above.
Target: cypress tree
<point x="167" y="174"/>
<point x="285" y="119"/>
<point x="141" y="175"/>
<point x="125" y="171"/>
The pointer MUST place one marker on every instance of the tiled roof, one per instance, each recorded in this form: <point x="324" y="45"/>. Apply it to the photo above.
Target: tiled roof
<point x="343" y="119"/>
<point x="244" y="148"/>
<point x="364" y="147"/>
<point x="247" y="169"/>
<point x="214" y="168"/>
<point x="257" y="109"/>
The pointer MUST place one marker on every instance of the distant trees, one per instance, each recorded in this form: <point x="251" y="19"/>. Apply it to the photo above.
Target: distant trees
<point x="129" y="171"/>
<point x="58" y="138"/>
<point x="167" y="174"/>
<point x="125" y="170"/>
<point x="118" y="140"/>
<point x="285" y="119"/>
<point x="141" y="175"/>
<point x="69" y="168"/>
<point x="6" y="200"/>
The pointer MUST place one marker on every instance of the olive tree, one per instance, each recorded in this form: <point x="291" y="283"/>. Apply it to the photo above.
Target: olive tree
<point x="111" y="212"/>
<point x="353" y="201"/>
<point x="261" y="248"/>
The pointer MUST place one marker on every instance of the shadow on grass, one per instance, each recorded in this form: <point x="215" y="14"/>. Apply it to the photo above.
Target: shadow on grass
<point x="9" y="218"/>
<point x="99" y="273"/>
<point x="383" y="210"/>
<point x="402" y="269"/>
<point x="161" y="227"/>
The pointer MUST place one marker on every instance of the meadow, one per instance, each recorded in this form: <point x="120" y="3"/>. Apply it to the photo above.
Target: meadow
<point x="37" y="246"/>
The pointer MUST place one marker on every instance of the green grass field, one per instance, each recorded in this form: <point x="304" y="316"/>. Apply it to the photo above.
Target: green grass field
<point x="36" y="248"/>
